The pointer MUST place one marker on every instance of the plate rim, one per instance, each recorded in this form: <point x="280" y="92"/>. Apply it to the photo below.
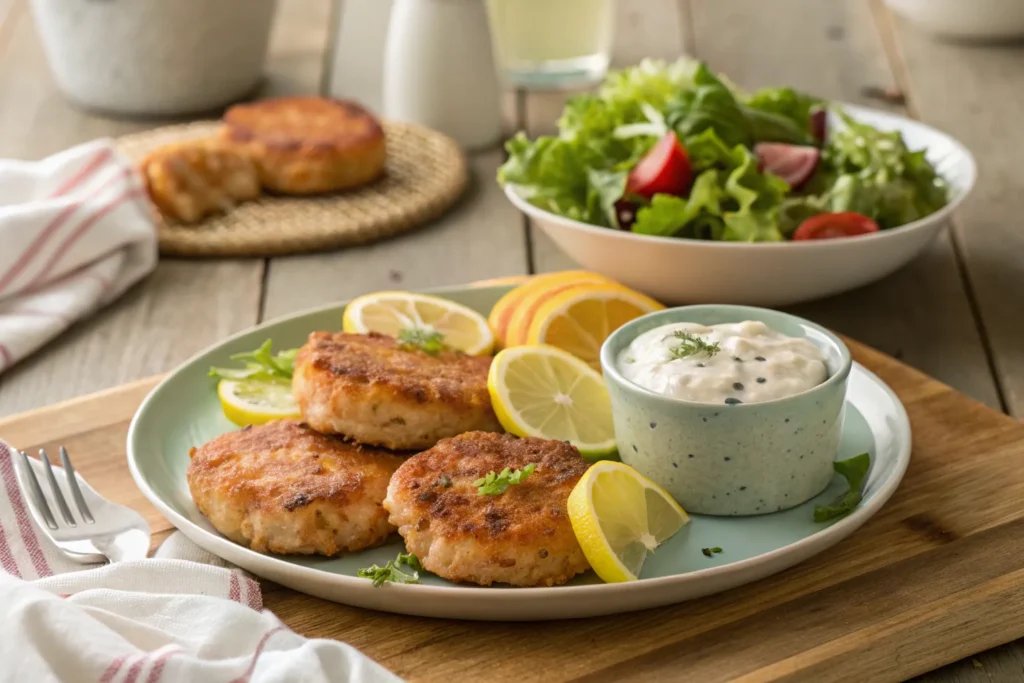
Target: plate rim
<point x="219" y="545"/>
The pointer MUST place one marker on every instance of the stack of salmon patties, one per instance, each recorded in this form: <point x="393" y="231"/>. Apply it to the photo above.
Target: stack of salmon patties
<point x="286" y="146"/>
<point x="394" y="438"/>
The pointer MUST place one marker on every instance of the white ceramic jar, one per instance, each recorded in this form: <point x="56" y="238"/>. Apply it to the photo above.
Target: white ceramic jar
<point x="439" y="70"/>
<point x="155" y="57"/>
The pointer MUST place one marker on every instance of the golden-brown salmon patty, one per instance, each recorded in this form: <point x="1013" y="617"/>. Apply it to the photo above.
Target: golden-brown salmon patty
<point x="376" y="391"/>
<point x="521" y="537"/>
<point x="283" y="488"/>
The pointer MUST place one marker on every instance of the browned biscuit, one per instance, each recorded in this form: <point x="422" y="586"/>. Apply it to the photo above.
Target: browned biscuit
<point x="283" y="488"/>
<point x="188" y="181"/>
<point x="522" y="536"/>
<point x="376" y="391"/>
<point x="308" y="145"/>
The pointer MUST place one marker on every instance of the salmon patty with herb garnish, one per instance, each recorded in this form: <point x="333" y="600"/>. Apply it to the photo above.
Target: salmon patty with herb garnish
<point x="400" y="395"/>
<point x="283" y="488"/>
<point x="490" y="508"/>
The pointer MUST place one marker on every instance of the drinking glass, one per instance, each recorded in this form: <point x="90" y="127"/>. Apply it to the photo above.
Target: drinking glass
<point x="551" y="43"/>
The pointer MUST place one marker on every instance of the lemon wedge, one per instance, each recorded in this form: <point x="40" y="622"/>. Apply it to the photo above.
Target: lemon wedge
<point x="254" y="402"/>
<point x="545" y="392"/>
<point x="619" y="516"/>
<point x="390" y="313"/>
<point x="580" y="318"/>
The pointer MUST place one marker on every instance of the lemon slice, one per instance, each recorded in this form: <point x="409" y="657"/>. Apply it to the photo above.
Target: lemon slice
<point x="507" y="306"/>
<point x="580" y="318"/>
<point x="389" y="313"/>
<point x="249" y="402"/>
<point x="619" y="516"/>
<point x="540" y="291"/>
<point x="543" y="391"/>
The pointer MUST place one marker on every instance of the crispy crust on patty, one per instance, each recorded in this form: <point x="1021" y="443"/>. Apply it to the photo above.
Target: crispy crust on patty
<point x="375" y="391"/>
<point x="191" y="180"/>
<point x="284" y="488"/>
<point x="308" y="145"/>
<point x="521" y="537"/>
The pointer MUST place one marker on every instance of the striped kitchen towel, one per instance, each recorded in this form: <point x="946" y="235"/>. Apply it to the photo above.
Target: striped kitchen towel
<point x="184" y="615"/>
<point x="76" y="231"/>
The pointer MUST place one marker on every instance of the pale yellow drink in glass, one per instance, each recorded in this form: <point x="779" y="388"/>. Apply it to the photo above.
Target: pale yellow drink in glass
<point x="551" y="43"/>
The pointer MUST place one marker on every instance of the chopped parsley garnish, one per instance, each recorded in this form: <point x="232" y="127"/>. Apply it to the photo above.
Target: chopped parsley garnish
<point x="496" y="484"/>
<point x="854" y="470"/>
<point x="709" y="552"/>
<point x="392" y="572"/>
<point x="260" y="364"/>
<point x="691" y="345"/>
<point x="423" y="339"/>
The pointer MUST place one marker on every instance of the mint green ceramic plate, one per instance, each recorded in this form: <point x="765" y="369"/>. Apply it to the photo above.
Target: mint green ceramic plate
<point x="183" y="411"/>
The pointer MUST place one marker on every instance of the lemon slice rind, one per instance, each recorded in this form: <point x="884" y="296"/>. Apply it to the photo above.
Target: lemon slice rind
<point x="586" y="520"/>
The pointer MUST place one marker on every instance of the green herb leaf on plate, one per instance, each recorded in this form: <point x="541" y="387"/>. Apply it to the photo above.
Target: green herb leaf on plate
<point x="261" y="364"/>
<point x="392" y="572"/>
<point x="494" y="484"/>
<point x="430" y="341"/>
<point x="854" y="470"/>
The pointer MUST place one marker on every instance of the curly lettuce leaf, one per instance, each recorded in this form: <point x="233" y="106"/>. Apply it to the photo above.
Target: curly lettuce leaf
<point x="713" y="105"/>
<point x="552" y="173"/>
<point x="652" y="81"/>
<point x="787" y="103"/>
<point x="878" y="176"/>
<point x="731" y="199"/>
<point x="670" y="216"/>
<point x="710" y="105"/>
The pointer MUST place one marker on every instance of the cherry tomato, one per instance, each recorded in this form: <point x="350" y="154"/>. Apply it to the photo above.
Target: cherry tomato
<point x="828" y="225"/>
<point x="665" y="169"/>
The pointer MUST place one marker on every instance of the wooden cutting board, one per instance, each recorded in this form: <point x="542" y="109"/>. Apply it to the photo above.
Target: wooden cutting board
<point x="937" y="575"/>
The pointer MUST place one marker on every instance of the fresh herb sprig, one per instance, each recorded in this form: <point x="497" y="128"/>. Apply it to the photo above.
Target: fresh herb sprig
<point x="854" y="470"/>
<point x="261" y="364"/>
<point x="496" y="484"/>
<point x="691" y="345"/>
<point x="421" y="338"/>
<point x="711" y="552"/>
<point x="392" y="572"/>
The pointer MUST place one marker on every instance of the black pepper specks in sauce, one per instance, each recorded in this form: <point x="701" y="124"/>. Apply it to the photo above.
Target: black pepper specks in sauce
<point x="759" y="358"/>
<point x="738" y="386"/>
<point x="761" y="380"/>
<point x="653" y="425"/>
<point x="732" y="401"/>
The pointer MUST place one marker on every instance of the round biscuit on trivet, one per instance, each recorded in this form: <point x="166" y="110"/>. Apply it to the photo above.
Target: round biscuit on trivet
<point x="426" y="174"/>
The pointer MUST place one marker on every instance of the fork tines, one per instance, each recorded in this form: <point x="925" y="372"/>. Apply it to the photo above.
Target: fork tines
<point x="58" y="496"/>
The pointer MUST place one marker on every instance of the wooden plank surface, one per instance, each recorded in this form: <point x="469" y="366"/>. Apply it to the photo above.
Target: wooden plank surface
<point x="976" y="94"/>
<point x="930" y="578"/>
<point x="482" y="237"/>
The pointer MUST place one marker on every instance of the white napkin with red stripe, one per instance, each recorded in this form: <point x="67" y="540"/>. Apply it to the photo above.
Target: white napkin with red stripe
<point x="76" y="231"/>
<point x="184" y="615"/>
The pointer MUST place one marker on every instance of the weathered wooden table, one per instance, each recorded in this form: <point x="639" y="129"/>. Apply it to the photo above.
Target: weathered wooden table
<point x="954" y="313"/>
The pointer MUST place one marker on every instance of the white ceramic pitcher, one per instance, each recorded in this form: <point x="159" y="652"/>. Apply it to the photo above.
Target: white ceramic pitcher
<point x="439" y="70"/>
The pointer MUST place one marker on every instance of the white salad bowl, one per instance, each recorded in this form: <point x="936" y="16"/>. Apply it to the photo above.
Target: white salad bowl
<point x="687" y="271"/>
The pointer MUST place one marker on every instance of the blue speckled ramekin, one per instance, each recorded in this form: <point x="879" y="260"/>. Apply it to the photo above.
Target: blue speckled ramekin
<point x="718" y="459"/>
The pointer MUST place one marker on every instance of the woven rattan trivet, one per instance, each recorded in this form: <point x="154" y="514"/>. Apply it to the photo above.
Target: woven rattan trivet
<point x="426" y="174"/>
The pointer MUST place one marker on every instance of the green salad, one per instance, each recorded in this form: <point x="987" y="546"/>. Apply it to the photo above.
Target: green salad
<point x="672" y="149"/>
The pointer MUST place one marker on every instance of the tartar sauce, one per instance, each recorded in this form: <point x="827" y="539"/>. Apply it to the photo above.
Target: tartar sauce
<point x="731" y="363"/>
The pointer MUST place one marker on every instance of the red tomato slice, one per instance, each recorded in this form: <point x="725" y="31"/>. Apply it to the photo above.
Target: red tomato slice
<point x="828" y="225"/>
<point x="663" y="170"/>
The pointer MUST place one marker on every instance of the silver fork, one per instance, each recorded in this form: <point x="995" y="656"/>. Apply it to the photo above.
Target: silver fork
<point x="102" y="531"/>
